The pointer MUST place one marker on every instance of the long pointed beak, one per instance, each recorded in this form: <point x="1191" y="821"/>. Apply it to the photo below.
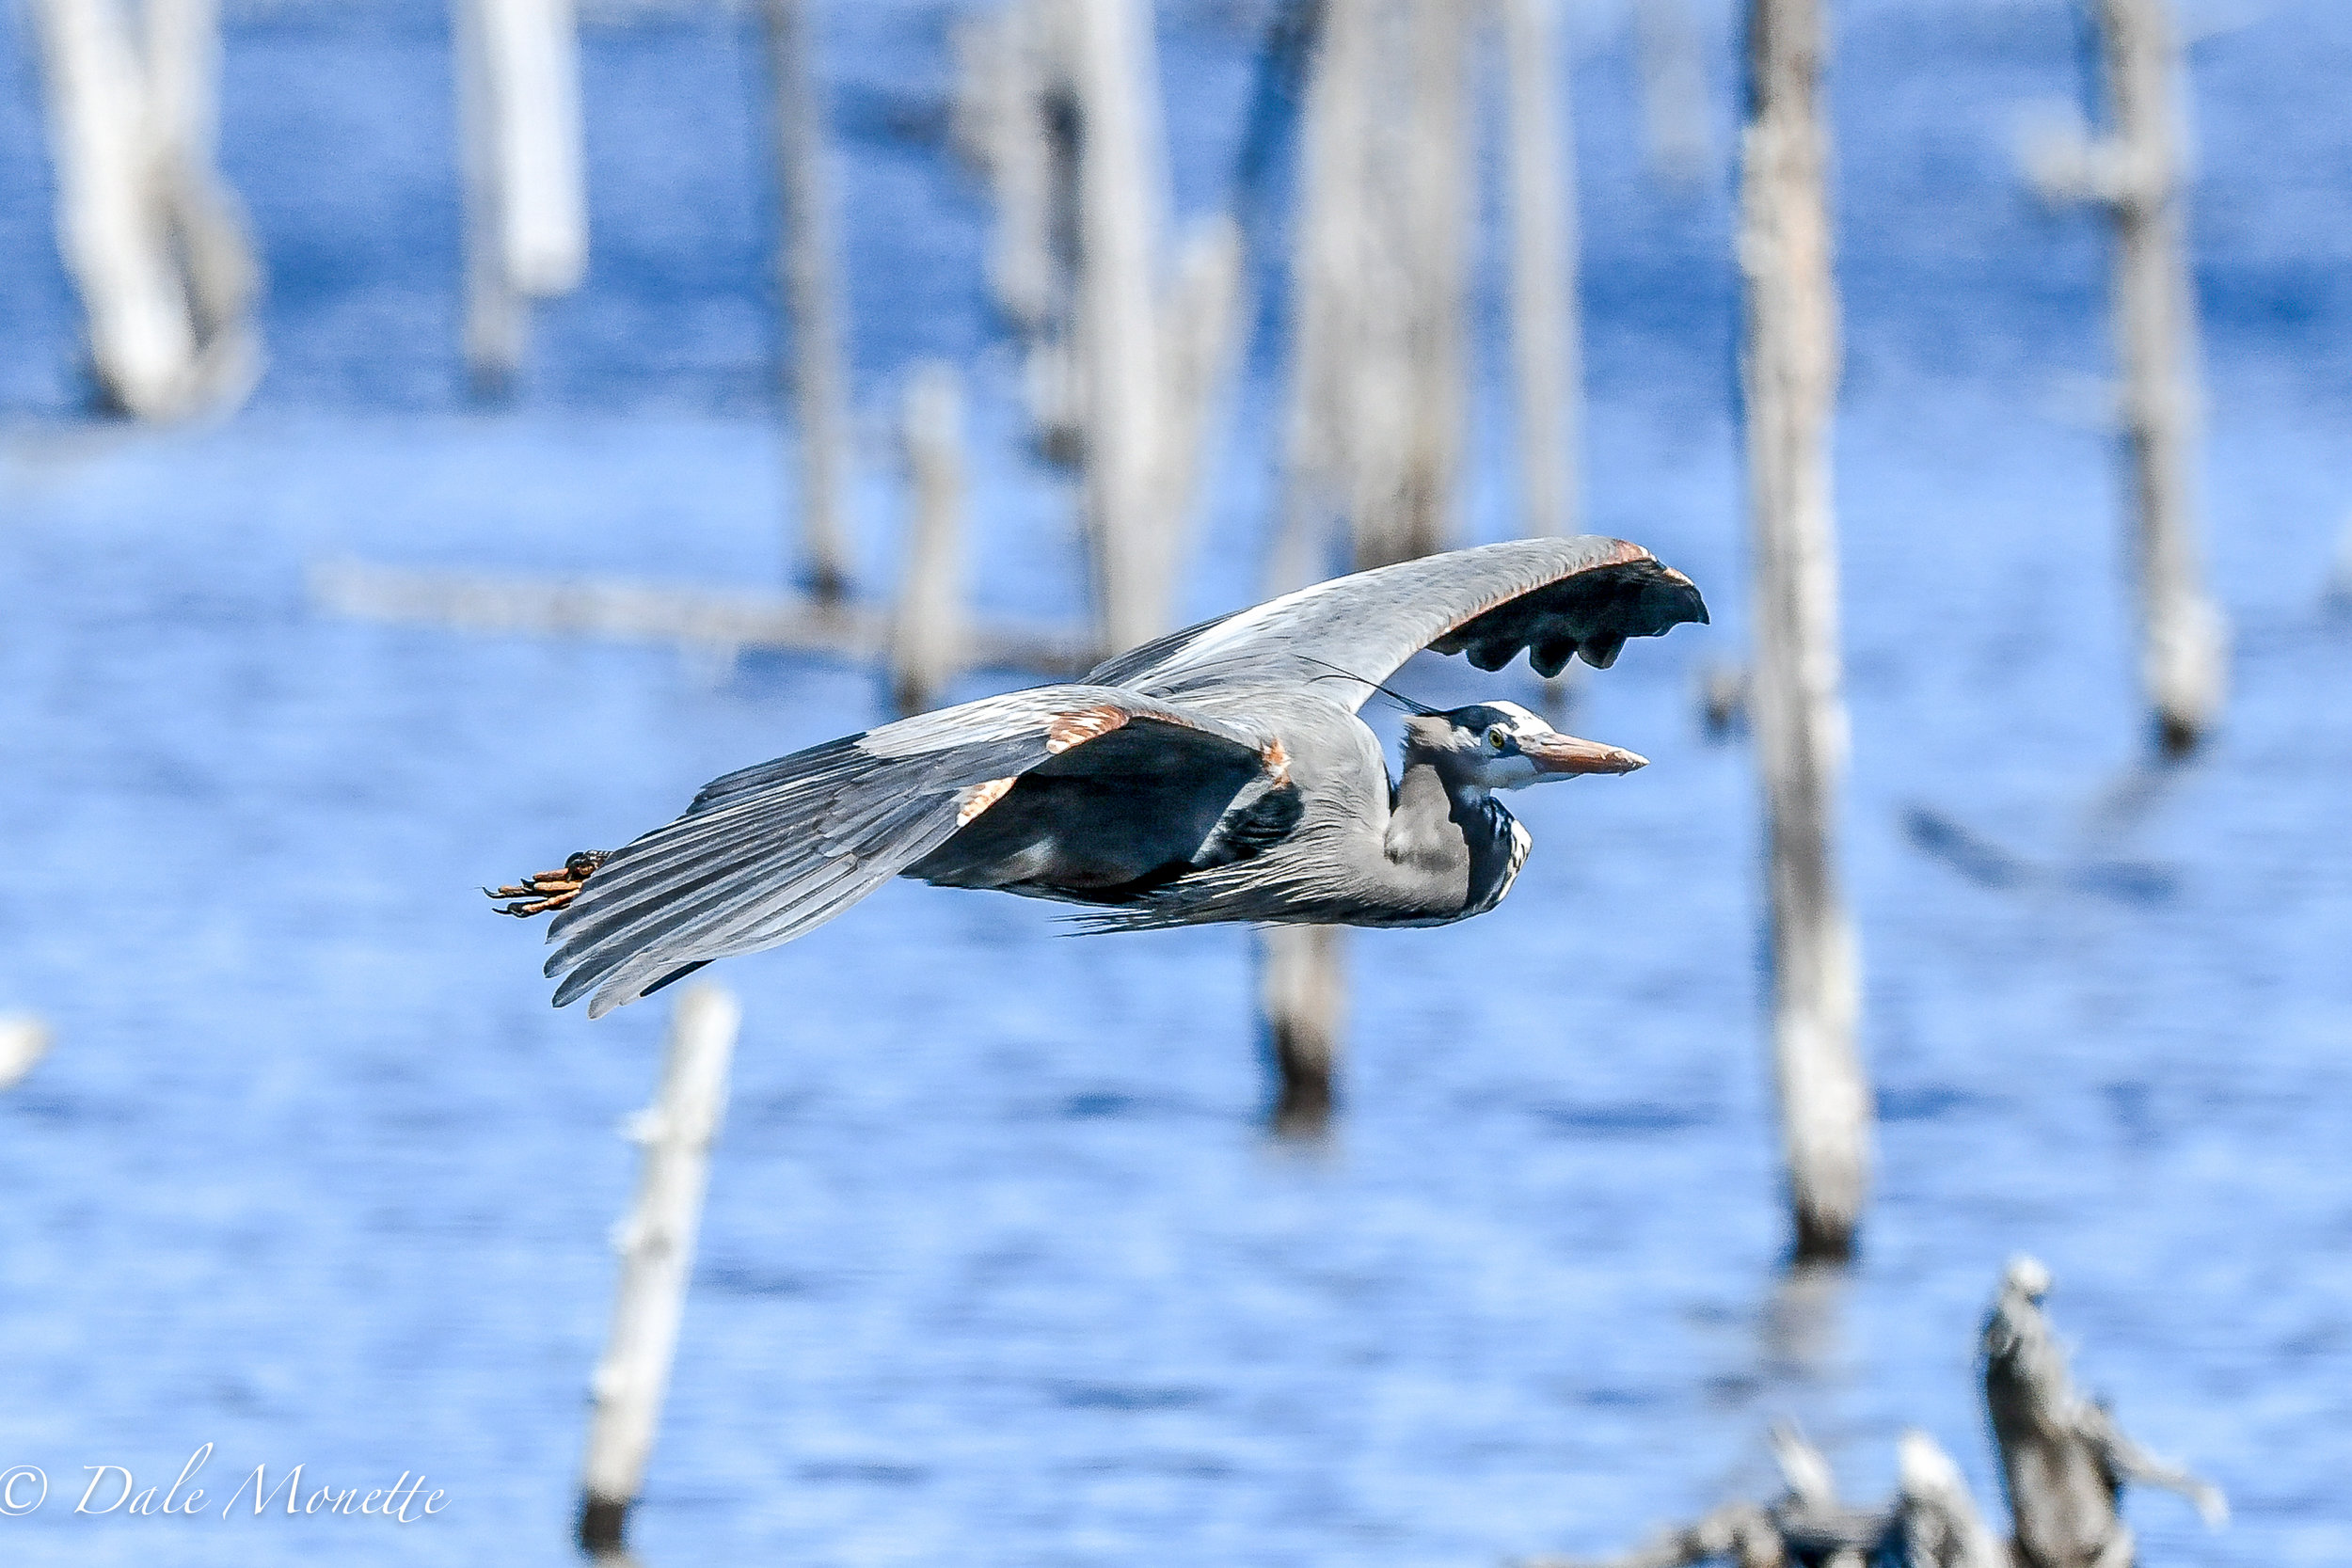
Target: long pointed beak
<point x="1565" y="753"/>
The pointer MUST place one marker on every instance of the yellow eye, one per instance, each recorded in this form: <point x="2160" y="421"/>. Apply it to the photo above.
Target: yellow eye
<point x="1497" y="735"/>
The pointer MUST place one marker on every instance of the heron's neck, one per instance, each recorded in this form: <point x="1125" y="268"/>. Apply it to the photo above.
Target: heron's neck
<point x="1450" y="846"/>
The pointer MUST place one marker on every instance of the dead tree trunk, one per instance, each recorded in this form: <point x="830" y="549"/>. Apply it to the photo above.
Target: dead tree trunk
<point x="1118" y="205"/>
<point x="1674" y="91"/>
<point x="1545" y="335"/>
<point x="1302" y="1000"/>
<point x="2182" y="638"/>
<point x="2064" y="1459"/>
<point x="1059" y="103"/>
<point x="926" y="646"/>
<point x="206" y="222"/>
<point x="2133" y="172"/>
<point x="813" y="378"/>
<point x="1198" y="326"/>
<point x="1379" y="398"/>
<point x="657" y="1244"/>
<point x="154" y="243"/>
<point x="1433" y="223"/>
<point x="526" y="191"/>
<point x="1336" y="369"/>
<point x="1789" y="375"/>
<point x="1338" y="372"/>
<point x="1379" y="392"/>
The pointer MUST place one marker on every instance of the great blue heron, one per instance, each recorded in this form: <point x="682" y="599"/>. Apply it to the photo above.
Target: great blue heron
<point x="1219" y="773"/>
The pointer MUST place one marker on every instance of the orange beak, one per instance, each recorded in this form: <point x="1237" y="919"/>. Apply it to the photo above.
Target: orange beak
<point x="1565" y="753"/>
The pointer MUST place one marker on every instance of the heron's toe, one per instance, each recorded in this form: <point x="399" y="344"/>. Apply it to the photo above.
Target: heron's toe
<point x="545" y="890"/>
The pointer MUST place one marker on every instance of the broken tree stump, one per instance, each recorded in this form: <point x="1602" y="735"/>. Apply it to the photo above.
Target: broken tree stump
<point x="2064" y="1459"/>
<point x="1807" y="1524"/>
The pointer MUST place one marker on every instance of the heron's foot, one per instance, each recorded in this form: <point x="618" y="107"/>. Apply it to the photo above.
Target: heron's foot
<point x="543" y="890"/>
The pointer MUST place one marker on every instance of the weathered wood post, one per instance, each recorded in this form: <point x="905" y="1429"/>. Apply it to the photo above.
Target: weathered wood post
<point x="518" y="69"/>
<point x="23" y="1042"/>
<point x="1546" y="348"/>
<point x="151" y="238"/>
<point x="806" y="265"/>
<point x="927" y="634"/>
<point x="2133" y="172"/>
<point x="2063" y="1458"/>
<point x="1789" y="374"/>
<point x="657" y="1246"/>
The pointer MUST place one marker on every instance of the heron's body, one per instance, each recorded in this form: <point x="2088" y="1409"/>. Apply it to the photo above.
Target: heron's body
<point x="1219" y="774"/>
<point x="1320" y="836"/>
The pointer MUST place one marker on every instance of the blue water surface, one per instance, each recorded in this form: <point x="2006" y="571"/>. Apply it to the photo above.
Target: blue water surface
<point x="998" y="1265"/>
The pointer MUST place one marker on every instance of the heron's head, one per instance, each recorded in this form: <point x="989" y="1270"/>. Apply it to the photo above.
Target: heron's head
<point x="1503" y="746"/>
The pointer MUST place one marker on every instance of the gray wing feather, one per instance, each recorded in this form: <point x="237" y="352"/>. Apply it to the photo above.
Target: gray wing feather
<point x="769" y="852"/>
<point x="1555" y="598"/>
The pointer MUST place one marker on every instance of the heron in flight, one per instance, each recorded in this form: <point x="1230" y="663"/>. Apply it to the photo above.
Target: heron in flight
<point x="1218" y="773"/>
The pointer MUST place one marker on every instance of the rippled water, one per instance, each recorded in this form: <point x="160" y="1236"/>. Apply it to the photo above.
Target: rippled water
<point x="997" y="1265"/>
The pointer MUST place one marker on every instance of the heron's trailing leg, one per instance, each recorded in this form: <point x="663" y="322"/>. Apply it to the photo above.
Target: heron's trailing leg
<point x="543" y="890"/>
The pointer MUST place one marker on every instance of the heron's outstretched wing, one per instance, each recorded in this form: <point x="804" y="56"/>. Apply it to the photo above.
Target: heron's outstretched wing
<point x="767" y="853"/>
<point x="1554" y="598"/>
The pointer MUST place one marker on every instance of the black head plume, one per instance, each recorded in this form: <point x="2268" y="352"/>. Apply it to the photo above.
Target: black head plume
<point x="1409" y="705"/>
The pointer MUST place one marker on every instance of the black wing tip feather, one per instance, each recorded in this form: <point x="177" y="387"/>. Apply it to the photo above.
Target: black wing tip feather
<point x="607" y="1000"/>
<point x="1588" y="613"/>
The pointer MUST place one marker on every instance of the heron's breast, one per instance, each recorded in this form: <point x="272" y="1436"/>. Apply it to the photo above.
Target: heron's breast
<point x="1495" y="863"/>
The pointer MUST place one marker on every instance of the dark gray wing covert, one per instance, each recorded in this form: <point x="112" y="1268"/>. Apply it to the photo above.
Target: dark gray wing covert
<point x="1554" y="598"/>
<point x="771" y="851"/>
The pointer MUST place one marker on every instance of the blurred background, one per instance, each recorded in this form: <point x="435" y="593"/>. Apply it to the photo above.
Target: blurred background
<point x="1000" y="1263"/>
